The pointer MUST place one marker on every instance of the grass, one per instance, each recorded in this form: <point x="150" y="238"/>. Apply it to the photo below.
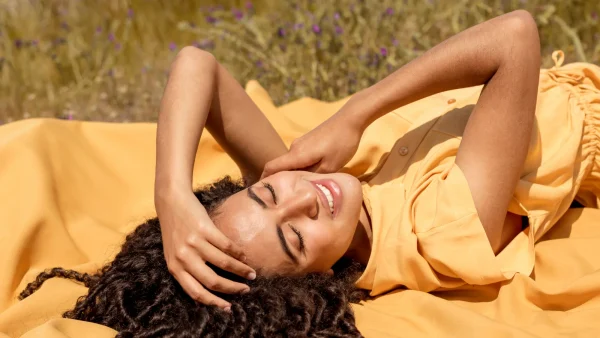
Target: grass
<point x="108" y="60"/>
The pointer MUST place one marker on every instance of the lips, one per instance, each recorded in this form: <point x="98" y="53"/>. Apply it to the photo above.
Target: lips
<point x="336" y="193"/>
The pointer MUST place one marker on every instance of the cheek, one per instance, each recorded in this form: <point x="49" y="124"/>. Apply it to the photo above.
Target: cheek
<point x="324" y="244"/>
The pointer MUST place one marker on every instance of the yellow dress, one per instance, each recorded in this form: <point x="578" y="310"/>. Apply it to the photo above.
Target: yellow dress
<point x="426" y="231"/>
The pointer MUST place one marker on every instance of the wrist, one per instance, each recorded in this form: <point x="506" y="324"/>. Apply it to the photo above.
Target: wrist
<point x="360" y="110"/>
<point x="167" y="190"/>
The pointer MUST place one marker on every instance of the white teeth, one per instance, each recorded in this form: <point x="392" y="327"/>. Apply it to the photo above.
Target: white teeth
<point x="328" y="195"/>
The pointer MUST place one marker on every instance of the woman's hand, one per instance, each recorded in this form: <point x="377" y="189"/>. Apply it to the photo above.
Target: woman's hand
<point x="190" y="240"/>
<point x="325" y="149"/>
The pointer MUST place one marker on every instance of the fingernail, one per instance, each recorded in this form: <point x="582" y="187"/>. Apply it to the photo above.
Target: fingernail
<point x="252" y="276"/>
<point x="246" y="290"/>
<point x="227" y="309"/>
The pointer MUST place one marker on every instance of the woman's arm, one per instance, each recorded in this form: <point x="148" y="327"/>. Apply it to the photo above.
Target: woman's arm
<point x="201" y="93"/>
<point x="502" y="53"/>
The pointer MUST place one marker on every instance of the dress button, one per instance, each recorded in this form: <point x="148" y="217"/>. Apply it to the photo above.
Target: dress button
<point x="403" y="151"/>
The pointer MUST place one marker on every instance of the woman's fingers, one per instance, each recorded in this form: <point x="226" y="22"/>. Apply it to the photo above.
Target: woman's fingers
<point x="195" y="290"/>
<point x="290" y="161"/>
<point x="205" y="275"/>
<point x="216" y="257"/>
<point x="216" y="238"/>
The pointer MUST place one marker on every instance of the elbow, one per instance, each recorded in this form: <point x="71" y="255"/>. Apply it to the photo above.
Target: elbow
<point x="195" y="54"/>
<point x="522" y="32"/>
<point x="520" y="40"/>
<point x="521" y="24"/>
<point x="194" y="59"/>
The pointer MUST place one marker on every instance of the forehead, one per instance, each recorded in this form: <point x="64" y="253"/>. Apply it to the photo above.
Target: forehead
<point x="253" y="228"/>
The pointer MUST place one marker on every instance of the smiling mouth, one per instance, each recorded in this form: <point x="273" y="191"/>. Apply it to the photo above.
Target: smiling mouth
<point x="328" y="196"/>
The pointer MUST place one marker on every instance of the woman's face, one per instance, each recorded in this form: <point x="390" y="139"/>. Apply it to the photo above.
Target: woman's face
<point x="293" y="222"/>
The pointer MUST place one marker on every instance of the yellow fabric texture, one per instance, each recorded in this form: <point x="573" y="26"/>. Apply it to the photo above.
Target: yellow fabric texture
<point x="72" y="190"/>
<point x="426" y="231"/>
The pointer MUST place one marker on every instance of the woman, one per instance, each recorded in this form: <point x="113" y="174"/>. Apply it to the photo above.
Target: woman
<point x="302" y="235"/>
<point x="460" y="198"/>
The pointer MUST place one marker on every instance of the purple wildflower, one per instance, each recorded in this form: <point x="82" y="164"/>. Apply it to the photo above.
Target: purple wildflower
<point x="336" y="15"/>
<point x="172" y="46"/>
<point x="118" y="46"/>
<point x="18" y="43"/>
<point x="389" y="11"/>
<point x="130" y="13"/>
<point x="111" y="73"/>
<point x="298" y="26"/>
<point x="249" y="5"/>
<point x="70" y="116"/>
<point x="395" y="42"/>
<point x="111" y="37"/>
<point x="594" y="16"/>
<point x="316" y="29"/>
<point x="211" y="19"/>
<point x="338" y="30"/>
<point x="64" y="25"/>
<point x="98" y="30"/>
<point x="144" y="70"/>
<point x="34" y="42"/>
<point x="259" y="63"/>
<point x="238" y="14"/>
<point x="281" y="32"/>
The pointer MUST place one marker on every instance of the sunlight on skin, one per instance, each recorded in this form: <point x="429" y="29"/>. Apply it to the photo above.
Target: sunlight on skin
<point x="311" y="238"/>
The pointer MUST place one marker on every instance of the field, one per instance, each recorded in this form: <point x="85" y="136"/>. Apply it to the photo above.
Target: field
<point x="108" y="60"/>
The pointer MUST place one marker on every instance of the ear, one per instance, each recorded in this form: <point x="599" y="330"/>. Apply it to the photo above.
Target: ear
<point x="329" y="272"/>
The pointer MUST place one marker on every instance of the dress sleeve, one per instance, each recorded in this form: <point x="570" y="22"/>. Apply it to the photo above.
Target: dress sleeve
<point x="449" y="234"/>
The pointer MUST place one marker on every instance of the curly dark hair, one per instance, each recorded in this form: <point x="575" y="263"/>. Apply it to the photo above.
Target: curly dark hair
<point x="137" y="296"/>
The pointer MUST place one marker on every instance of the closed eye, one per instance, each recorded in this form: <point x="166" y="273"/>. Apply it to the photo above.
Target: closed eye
<point x="299" y="237"/>
<point x="270" y="187"/>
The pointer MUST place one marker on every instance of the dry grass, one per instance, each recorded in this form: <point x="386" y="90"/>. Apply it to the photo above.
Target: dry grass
<point x="108" y="60"/>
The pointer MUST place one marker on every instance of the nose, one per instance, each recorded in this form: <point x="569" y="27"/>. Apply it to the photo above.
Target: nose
<point x="302" y="202"/>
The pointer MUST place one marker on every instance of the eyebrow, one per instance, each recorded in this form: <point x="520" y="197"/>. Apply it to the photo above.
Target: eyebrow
<point x="280" y="235"/>
<point x="253" y="196"/>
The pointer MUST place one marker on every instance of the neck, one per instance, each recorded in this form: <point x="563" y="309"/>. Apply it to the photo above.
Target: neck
<point x="360" y="247"/>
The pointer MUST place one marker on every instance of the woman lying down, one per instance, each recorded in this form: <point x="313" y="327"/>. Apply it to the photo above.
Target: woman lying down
<point x="285" y="251"/>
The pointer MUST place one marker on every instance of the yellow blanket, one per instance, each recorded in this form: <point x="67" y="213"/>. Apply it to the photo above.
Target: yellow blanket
<point x="70" y="191"/>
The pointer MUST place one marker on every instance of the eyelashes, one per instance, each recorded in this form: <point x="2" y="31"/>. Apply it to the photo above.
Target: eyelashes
<point x="299" y="237"/>
<point x="270" y="187"/>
